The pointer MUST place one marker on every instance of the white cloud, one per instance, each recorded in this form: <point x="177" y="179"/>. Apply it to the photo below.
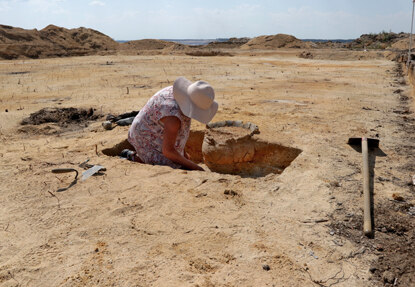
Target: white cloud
<point x="193" y="22"/>
<point x="97" y="3"/>
<point x="306" y="22"/>
<point x="4" y="6"/>
<point x="45" y="6"/>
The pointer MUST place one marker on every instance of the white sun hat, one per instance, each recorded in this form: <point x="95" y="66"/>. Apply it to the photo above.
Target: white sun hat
<point x="197" y="100"/>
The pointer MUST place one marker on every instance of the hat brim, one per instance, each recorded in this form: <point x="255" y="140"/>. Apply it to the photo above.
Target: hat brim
<point x="187" y="107"/>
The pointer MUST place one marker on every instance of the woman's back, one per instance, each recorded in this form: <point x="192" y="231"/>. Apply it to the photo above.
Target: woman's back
<point x="146" y="132"/>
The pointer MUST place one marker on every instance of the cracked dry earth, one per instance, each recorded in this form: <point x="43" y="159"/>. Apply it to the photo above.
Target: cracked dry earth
<point x="141" y="225"/>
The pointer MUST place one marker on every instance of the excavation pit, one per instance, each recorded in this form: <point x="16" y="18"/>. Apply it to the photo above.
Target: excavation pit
<point x="235" y="150"/>
<point x="231" y="150"/>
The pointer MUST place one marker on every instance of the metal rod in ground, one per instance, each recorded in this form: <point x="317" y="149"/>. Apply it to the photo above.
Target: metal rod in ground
<point x="410" y="36"/>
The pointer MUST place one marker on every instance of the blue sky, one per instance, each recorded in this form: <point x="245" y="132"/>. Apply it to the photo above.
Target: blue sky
<point x="162" y="19"/>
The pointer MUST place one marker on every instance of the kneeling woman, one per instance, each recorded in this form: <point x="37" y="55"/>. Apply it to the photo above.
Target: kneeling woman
<point x="160" y="131"/>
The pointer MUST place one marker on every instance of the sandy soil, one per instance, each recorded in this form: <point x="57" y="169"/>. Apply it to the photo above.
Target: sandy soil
<point x="141" y="225"/>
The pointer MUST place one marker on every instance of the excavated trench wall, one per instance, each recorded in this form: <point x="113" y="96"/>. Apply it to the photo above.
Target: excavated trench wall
<point x="411" y="76"/>
<point x="411" y="72"/>
<point x="244" y="155"/>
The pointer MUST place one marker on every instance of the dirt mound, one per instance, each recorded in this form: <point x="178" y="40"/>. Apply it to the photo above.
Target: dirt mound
<point x="52" y="41"/>
<point x="176" y="47"/>
<point x="275" y="41"/>
<point x="207" y="53"/>
<point x="232" y="43"/>
<point x="148" y="44"/>
<point x="345" y="54"/>
<point x="382" y="40"/>
<point x="61" y="116"/>
<point x="332" y="44"/>
<point x="81" y="37"/>
<point x="401" y="44"/>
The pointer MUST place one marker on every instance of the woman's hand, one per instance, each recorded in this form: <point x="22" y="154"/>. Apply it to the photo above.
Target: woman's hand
<point x="171" y="129"/>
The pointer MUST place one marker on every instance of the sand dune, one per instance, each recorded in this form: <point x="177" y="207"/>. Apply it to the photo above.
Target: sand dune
<point x="52" y="41"/>
<point x="147" y="44"/>
<point x="275" y="42"/>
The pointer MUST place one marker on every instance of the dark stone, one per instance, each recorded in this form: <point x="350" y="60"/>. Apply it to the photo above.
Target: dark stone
<point x="266" y="267"/>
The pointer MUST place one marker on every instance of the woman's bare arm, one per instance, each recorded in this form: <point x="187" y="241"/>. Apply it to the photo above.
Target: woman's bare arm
<point x="171" y="128"/>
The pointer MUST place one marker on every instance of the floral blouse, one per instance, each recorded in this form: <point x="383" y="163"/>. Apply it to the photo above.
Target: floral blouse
<point x="146" y="132"/>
